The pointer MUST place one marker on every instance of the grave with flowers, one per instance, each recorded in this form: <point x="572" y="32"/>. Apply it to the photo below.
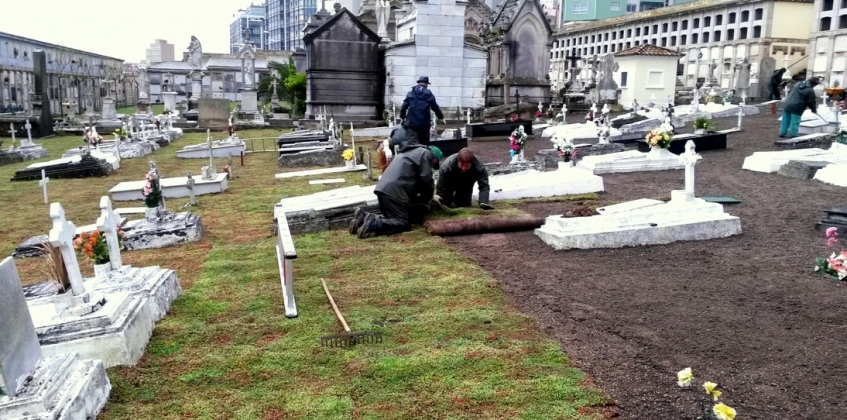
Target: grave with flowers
<point x="229" y="147"/>
<point x="657" y="159"/>
<point x="834" y="266"/>
<point x="645" y="221"/>
<point x="161" y="228"/>
<point x="113" y="326"/>
<point x="209" y="182"/>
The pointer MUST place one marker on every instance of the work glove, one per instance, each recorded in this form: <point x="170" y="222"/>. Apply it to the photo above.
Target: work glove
<point x="437" y="200"/>
<point x="486" y="206"/>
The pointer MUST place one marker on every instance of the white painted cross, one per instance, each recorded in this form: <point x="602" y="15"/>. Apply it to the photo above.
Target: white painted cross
<point x="652" y="100"/>
<point x="540" y="107"/>
<point x="469" y="115"/>
<point x="62" y="236"/>
<point x="695" y="101"/>
<point x="743" y="96"/>
<point x="689" y="159"/>
<point x="12" y="131"/>
<point x="108" y="222"/>
<point x="28" y="128"/>
<point x="43" y="184"/>
<point x="605" y="109"/>
<point x="564" y="114"/>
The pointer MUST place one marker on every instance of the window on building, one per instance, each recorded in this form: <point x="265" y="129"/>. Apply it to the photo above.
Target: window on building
<point x="629" y="33"/>
<point x="730" y="34"/>
<point x="568" y="43"/>
<point x="616" y="7"/>
<point x="664" y="42"/>
<point x="707" y="21"/>
<point x="613" y="47"/>
<point x="758" y="14"/>
<point x="592" y="50"/>
<point x="646" y="30"/>
<point x="655" y="41"/>
<point x="695" y="23"/>
<point x="655" y="29"/>
<point x="637" y="43"/>
<point x="757" y="32"/>
<point x="731" y="18"/>
<point x="718" y="20"/>
<point x="614" y="35"/>
<point x="624" y="76"/>
<point x="694" y="38"/>
<point x="717" y="37"/>
<point x="620" y="46"/>
<point x="674" y="26"/>
<point x="745" y="16"/>
<point x="637" y="31"/>
<point x="844" y="4"/>
<point x="742" y="33"/>
<point x="673" y="41"/>
<point x="664" y="27"/>
<point x="827" y="5"/>
<point x="682" y="40"/>
<point x="580" y="8"/>
<point x="842" y="22"/>
<point x="620" y="34"/>
<point x="592" y="38"/>
<point x="705" y="37"/>
<point x="605" y="48"/>
<point x="606" y="36"/>
<point x="631" y="8"/>
<point x="684" y="25"/>
<point x="826" y="24"/>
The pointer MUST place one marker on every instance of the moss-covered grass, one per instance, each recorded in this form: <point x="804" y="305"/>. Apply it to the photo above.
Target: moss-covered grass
<point x="453" y="346"/>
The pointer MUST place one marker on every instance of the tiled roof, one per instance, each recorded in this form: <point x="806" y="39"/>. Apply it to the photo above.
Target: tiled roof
<point x="648" y="49"/>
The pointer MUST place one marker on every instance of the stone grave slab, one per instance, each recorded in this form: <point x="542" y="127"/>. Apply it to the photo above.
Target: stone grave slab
<point x="325" y="171"/>
<point x="631" y="161"/>
<point x="501" y="129"/>
<point x="37" y="387"/>
<point x="171" y="187"/>
<point x="312" y="157"/>
<point x="220" y="149"/>
<point x="801" y="169"/>
<point x="327" y="181"/>
<point x="771" y="161"/>
<point x="331" y="209"/>
<point x="834" y="173"/>
<point x="835" y="217"/>
<point x="533" y="184"/>
<point x="702" y="142"/>
<point x="501" y="168"/>
<point x="72" y="167"/>
<point x="807" y="141"/>
<point x="165" y="230"/>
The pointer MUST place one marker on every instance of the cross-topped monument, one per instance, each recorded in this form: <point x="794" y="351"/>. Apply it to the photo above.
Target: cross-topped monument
<point x="689" y="158"/>
<point x="12" y="132"/>
<point x="109" y="222"/>
<point x="62" y="236"/>
<point x="43" y="184"/>
<point x="189" y="184"/>
<point x="28" y="128"/>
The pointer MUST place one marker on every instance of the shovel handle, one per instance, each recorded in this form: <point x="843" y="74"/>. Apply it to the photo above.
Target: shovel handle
<point x="335" y="308"/>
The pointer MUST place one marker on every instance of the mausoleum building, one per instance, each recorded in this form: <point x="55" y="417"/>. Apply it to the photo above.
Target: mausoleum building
<point x="828" y="41"/>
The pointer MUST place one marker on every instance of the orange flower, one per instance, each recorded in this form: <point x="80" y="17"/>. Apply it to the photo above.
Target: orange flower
<point x="77" y="242"/>
<point x="90" y="253"/>
<point x="95" y="234"/>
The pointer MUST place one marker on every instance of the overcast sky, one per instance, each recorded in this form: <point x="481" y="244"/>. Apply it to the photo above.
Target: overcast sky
<point x="124" y="28"/>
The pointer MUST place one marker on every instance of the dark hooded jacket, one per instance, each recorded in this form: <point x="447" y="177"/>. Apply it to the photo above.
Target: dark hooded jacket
<point x="416" y="108"/>
<point x="776" y="79"/>
<point x="800" y="98"/>
<point x="408" y="178"/>
<point x="450" y="174"/>
<point x="399" y="136"/>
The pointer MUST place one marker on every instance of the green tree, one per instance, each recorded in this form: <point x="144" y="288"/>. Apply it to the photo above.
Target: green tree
<point x="290" y="86"/>
<point x="296" y="84"/>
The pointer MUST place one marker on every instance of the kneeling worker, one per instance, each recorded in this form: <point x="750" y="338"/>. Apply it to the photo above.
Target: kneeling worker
<point x="403" y="188"/>
<point x="456" y="178"/>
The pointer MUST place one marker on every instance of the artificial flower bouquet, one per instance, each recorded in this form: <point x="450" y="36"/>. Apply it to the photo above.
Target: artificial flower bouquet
<point x="517" y="141"/>
<point x="347" y="154"/>
<point x="709" y="405"/>
<point x="836" y="265"/>
<point x="93" y="245"/>
<point x="152" y="192"/>
<point x="661" y="137"/>
<point x="565" y="149"/>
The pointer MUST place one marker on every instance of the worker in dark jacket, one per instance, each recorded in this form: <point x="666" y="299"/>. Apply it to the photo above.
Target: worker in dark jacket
<point x="415" y="110"/>
<point x="405" y="186"/>
<point x="802" y="96"/>
<point x="456" y="179"/>
<point x="776" y="80"/>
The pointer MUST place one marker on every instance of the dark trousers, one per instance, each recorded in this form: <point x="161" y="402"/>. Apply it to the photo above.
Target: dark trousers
<point x="397" y="216"/>
<point x="421" y="133"/>
<point x="457" y="195"/>
<point x="774" y="93"/>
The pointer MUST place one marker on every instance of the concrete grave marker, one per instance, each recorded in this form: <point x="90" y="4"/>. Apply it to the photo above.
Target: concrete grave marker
<point x="62" y="236"/>
<point x="108" y="222"/>
<point x="189" y="183"/>
<point x="20" y="350"/>
<point x="28" y="128"/>
<point x="689" y="159"/>
<point x="43" y="184"/>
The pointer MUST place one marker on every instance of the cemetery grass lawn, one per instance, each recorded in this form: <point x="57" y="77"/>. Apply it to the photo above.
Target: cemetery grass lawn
<point x="454" y="346"/>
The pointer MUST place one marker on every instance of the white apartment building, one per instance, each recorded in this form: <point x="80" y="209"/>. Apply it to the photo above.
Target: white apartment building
<point x="770" y="34"/>
<point x="160" y="51"/>
<point x="828" y="41"/>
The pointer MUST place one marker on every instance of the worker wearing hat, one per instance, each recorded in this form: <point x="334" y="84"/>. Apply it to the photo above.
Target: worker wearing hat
<point x="404" y="188"/>
<point x="416" y="107"/>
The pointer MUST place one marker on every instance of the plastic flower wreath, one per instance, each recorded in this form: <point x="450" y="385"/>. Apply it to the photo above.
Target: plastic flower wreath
<point x="517" y="141"/>
<point x="836" y="265"/>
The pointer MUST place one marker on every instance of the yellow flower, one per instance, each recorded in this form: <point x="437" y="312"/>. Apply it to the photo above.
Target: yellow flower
<point x="347" y="154"/>
<point x="723" y="411"/>
<point x="711" y="389"/>
<point x="684" y="377"/>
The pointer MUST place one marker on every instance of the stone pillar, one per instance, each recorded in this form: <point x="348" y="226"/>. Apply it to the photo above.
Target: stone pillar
<point x="41" y="107"/>
<point x="169" y="99"/>
<point x="196" y="88"/>
<point x="4" y="88"/>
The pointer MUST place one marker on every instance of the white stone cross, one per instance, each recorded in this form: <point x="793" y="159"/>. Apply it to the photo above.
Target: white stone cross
<point x="824" y="97"/>
<point x="787" y="75"/>
<point x="652" y="100"/>
<point x="634" y="105"/>
<point x="62" y="236"/>
<point x="12" y="131"/>
<point x="605" y="109"/>
<point x="43" y="184"/>
<point x="28" y="128"/>
<point x="695" y="101"/>
<point x="743" y="96"/>
<point x="689" y="159"/>
<point x="593" y="108"/>
<point x="108" y="222"/>
<point x="564" y="114"/>
<point x="211" y="156"/>
<point x="469" y="115"/>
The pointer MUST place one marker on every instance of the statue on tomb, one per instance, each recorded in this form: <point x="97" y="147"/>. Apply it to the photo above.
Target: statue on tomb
<point x="484" y="29"/>
<point x="383" y="14"/>
<point x="248" y="74"/>
<point x="195" y="53"/>
<point x="742" y="75"/>
<point x="607" y="80"/>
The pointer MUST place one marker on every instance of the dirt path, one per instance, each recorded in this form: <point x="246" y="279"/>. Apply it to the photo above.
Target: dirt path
<point x="746" y="312"/>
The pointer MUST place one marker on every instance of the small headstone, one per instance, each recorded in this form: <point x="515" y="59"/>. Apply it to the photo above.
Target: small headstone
<point x="189" y="184"/>
<point x="20" y="350"/>
<point x="109" y="222"/>
<point x="43" y="184"/>
<point x="62" y="236"/>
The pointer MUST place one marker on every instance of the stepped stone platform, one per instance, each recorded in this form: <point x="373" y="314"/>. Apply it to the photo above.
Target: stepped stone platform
<point x="835" y="217"/>
<point x="72" y="167"/>
<point x="702" y="142"/>
<point x="325" y="210"/>
<point x="807" y="141"/>
<point x="173" y="187"/>
<point x="801" y="169"/>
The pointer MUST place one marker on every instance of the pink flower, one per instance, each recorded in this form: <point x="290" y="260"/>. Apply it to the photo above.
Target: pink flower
<point x="561" y="153"/>
<point x="573" y="153"/>
<point x="516" y="147"/>
<point x="832" y="232"/>
<point x="836" y="264"/>
<point x="149" y="177"/>
<point x="831" y="242"/>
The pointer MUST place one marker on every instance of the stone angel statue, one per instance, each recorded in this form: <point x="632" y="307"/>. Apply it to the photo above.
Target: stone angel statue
<point x="195" y="53"/>
<point x="383" y="14"/>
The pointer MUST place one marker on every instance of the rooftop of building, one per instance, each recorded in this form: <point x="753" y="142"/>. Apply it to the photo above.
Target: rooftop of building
<point x="49" y="45"/>
<point x="647" y="50"/>
<point x="568" y="28"/>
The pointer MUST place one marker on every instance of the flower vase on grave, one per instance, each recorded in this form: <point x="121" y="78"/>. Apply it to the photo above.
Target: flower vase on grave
<point x="101" y="271"/>
<point x="349" y="164"/>
<point x="567" y="165"/>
